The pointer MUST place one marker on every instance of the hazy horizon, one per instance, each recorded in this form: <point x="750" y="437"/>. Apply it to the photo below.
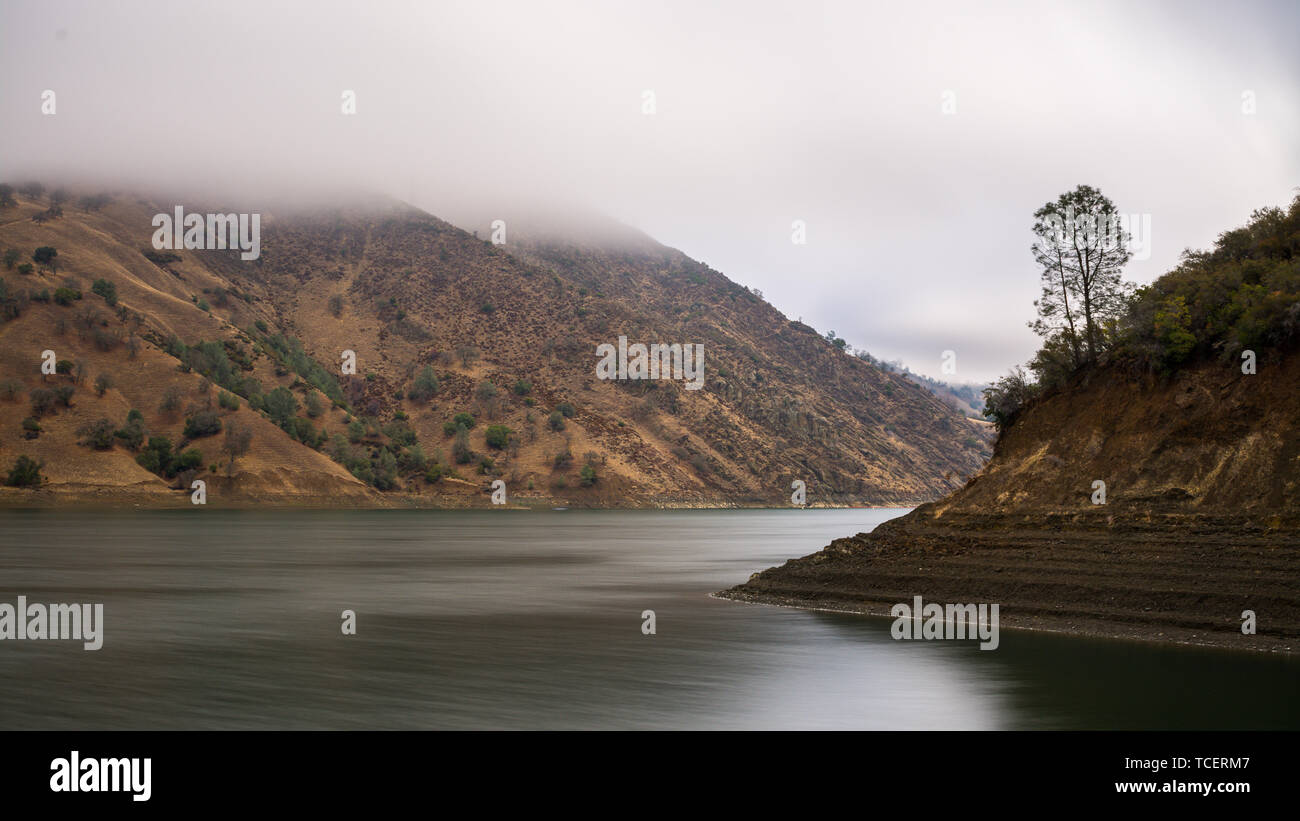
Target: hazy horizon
<point x="914" y="144"/>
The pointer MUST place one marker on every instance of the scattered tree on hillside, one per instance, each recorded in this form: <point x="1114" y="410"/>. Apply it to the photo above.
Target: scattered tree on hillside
<point x="460" y="449"/>
<point x="26" y="472"/>
<point x="281" y="405"/>
<point x="97" y="434"/>
<point x="105" y="289"/>
<point x="424" y="387"/>
<point x="133" y="433"/>
<point x="171" y="400"/>
<point x="43" y="401"/>
<point x="202" y="423"/>
<point x="94" y="202"/>
<point x="45" y="256"/>
<point x="313" y="405"/>
<point x="497" y="436"/>
<point x="236" y="444"/>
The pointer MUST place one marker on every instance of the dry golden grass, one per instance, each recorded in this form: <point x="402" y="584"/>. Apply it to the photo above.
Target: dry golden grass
<point x="779" y="403"/>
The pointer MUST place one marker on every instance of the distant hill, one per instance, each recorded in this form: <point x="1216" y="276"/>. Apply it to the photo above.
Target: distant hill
<point x="442" y="324"/>
<point x="966" y="398"/>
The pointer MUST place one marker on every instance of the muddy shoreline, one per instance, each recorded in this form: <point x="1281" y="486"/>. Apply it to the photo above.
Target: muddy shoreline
<point x="1171" y="580"/>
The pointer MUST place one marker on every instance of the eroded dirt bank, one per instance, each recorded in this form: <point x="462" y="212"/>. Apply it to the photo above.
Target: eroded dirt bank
<point x="1169" y="579"/>
<point x="1200" y="520"/>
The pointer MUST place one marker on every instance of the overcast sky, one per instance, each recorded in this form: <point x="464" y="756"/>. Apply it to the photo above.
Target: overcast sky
<point x="763" y="113"/>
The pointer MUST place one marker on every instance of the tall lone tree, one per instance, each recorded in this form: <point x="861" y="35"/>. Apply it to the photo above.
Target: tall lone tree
<point x="1082" y="247"/>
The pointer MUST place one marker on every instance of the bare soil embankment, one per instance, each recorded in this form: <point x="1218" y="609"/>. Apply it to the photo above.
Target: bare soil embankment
<point x="1201" y="520"/>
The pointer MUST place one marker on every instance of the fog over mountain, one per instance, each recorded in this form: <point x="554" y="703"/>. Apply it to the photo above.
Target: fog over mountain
<point x="913" y="143"/>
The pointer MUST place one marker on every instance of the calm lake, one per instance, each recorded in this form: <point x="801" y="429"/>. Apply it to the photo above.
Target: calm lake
<point x="514" y="619"/>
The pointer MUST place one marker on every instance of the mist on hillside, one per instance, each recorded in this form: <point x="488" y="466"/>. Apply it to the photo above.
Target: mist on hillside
<point x="913" y="144"/>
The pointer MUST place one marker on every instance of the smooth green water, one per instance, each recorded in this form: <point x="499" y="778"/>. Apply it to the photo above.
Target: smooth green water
<point x="511" y="619"/>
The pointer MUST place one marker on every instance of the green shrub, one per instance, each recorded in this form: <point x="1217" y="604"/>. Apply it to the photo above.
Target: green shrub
<point x="281" y="405"/>
<point x="302" y="430"/>
<point x="413" y="460"/>
<point x="191" y="459"/>
<point x="26" y="472"/>
<point x="400" y="433"/>
<point x="203" y="423"/>
<point x="45" y="256"/>
<point x="424" y="387"/>
<point x="385" y="471"/>
<point x="66" y="296"/>
<point x="497" y="436"/>
<point x="289" y="351"/>
<point x="1006" y="397"/>
<point x="105" y="289"/>
<point x="133" y="432"/>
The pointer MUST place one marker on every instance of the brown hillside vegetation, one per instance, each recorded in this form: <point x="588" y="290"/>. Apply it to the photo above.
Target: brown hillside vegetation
<point x="508" y="333"/>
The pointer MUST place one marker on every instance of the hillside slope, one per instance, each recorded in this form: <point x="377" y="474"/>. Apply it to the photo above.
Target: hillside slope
<point x="508" y="333"/>
<point x="1201" y="520"/>
<point x="1199" y="460"/>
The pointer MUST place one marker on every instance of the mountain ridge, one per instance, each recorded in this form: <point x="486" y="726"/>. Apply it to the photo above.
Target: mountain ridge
<point x="405" y="291"/>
